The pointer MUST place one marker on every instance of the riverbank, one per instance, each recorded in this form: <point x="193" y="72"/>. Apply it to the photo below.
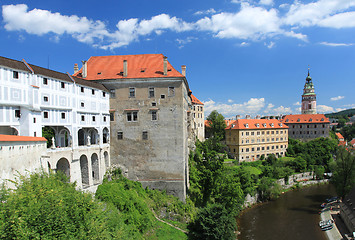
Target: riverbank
<point x="293" y="216"/>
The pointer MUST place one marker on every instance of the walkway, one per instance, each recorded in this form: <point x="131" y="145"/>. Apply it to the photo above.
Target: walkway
<point x="339" y="231"/>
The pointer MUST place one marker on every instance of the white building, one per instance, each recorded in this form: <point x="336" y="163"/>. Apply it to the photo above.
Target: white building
<point x="77" y="111"/>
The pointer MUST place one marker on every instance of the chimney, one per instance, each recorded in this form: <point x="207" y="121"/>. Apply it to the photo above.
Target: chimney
<point x="257" y="117"/>
<point x="237" y="117"/>
<point x="76" y="68"/>
<point x="125" y="71"/>
<point x="85" y="70"/>
<point x="247" y="116"/>
<point x="183" y="70"/>
<point x="165" y="65"/>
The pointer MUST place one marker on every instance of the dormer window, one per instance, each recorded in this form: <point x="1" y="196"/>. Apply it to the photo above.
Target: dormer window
<point x="322" y="119"/>
<point x="264" y="124"/>
<point x="287" y="120"/>
<point x="310" y="120"/>
<point x="257" y="125"/>
<point x="271" y="124"/>
<point x="247" y="125"/>
<point x="280" y="124"/>
<point x="298" y="120"/>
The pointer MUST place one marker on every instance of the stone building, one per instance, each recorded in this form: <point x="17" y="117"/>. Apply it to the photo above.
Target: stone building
<point x="307" y="126"/>
<point x="150" y="109"/>
<point x="198" y="117"/>
<point x="249" y="139"/>
<point x="309" y="101"/>
<point x="75" y="110"/>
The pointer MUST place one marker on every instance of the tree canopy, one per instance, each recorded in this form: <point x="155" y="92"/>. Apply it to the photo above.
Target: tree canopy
<point x="216" y="125"/>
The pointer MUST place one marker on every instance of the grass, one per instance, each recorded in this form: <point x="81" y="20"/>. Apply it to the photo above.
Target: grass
<point x="285" y="159"/>
<point x="163" y="231"/>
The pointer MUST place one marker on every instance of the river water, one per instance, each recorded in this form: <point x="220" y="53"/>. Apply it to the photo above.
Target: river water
<point x="293" y="216"/>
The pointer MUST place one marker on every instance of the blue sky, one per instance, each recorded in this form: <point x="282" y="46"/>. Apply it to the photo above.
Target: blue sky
<point x="242" y="56"/>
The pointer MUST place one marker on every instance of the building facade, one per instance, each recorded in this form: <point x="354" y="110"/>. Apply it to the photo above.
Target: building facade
<point x="307" y="126"/>
<point x="250" y="139"/>
<point x="198" y="117"/>
<point x="75" y="111"/>
<point x="309" y="100"/>
<point x="151" y="122"/>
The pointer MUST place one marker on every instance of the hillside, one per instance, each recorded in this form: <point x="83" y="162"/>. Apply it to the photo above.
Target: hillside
<point x="348" y="112"/>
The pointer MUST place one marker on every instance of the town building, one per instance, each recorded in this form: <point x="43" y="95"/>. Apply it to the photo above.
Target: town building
<point x="75" y="111"/>
<point x="347" y="210"/>
<point x="306" y="126"/>
<point x="150" y="116"/>
<point x="250" y="139"/>
<point x="309" y="101"/>
<point x="198" y="117"/>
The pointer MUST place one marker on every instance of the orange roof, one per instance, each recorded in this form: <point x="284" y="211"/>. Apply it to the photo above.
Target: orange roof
<point x="343" y="143"/>
<point x="256" y="124"/>
<point x="195" y="100"/>
<point x="339" y="136"/>
<point x="305" y="118"/>
<point x="138" y="66"/>
<point x="14" y="138"/>
<point x="228" y="122"/>
<point x="352" y="142"/>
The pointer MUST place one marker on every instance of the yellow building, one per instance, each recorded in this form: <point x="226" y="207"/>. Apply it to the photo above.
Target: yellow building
<point x="249" y="139"/>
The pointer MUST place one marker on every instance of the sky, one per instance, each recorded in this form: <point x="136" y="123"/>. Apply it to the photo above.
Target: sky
<point x="242" y="56"/>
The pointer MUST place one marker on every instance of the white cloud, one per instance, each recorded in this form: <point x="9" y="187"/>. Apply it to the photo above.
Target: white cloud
<point x="230" y="100"/>
<point x="183" y="42"/>
<point x="253" y="106"/>
<point x="340" y="109"/>
<point x="337" y="44"/>
<point x="314" y="13"/>
<point x="249" y="23"/>
<point x="341" y="20"/>
<point x="297" y="104"/>
<point x="324" y="109"/>
<point x="337" y="98"/>
<point x="206" y="12"/>
<point x="266" y="2"/>
<point x="270" y="45"/>
<point x="244" y="44"/>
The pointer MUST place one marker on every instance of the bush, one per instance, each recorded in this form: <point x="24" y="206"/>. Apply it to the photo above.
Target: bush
<point x="213" y="222"/>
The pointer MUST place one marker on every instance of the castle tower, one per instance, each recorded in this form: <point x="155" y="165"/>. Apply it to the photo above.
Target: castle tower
<point x="309" y="102"/>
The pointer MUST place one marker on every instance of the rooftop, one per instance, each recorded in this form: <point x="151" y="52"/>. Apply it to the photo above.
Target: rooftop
<point x="256" y="124"/>
<point x="195" y="100"/>
<point x="305" y="118"/>
<point x="14" y="138"/>
<point x="138" y="66"/>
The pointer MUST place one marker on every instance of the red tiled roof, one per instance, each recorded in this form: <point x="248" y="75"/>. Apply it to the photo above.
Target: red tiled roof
<point x="342" y="143"/>
<point x="352" y="142"/>
<point x="138" y="66"/>
<point x="14" y="138"/>
<point x="195" y="100"/>
<point x="228" y="122"/>
<point x="339" y="136"/>
<point x="256" y="124"/>
<point x="305" y="118"/>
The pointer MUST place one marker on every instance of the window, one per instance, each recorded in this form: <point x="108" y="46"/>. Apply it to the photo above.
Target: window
<point x="63" y="115"/>
<point x="258" y="149"/>
<point x="62" y="84"/>
<point x="93" y="91"/>
<point x="267" y="132"/>
<point x="154" y="104"/>
<point x="34" y="120"/>
<point x="171" y="92"/>
<point x="45" y="114"/>
<point x="151" y="92"/>
<point x="267" y="148"/>
<point x="154" y="115"/>
<point x="104" y="118"/>
<point x="17" y="113"/>
<point x="35" y="134"/>
<point x="82" y="89"/>
<point x="103" y="94"/>
<point x="252" y="133"/>
<point x="82" y="104"/>
<point x="45" y="81"/>
<point x="145" y="135"/>
<point x="132" y="92"/>
<point x="112" y="116"/>
<point x="93" y="118"/>
<point x="15" y="74"/>
<point x="112" y="93"/>
<point x="252" y="149"/>
<point x="132" y="116"/>
<point x="45" y="98"/>
<point x="247" y="149"/>
<point x="162" y="96"/>
<point x="262" y="148"/>
<point x="119" y="135"/>
<point x="82" y="118"/>
<point x="272" y="132"/>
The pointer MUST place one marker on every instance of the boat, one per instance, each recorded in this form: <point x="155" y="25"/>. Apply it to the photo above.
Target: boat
<point x="326" y="224"/>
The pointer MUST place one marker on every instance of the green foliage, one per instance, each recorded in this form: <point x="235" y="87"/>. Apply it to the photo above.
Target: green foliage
<point x="348" y="132"/>
<point x="213" y="223"/>
<point x="45" y="207"/>
<point x="319" y="172"/>
<point x="48" y="133"/>
<point x="344" y="171"/>
<point x="217" y="125"/>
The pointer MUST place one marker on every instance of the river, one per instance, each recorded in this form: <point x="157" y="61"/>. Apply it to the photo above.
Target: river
<point x="293" y="216"/>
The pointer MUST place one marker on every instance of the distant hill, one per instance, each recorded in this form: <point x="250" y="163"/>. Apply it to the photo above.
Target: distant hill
<point x="348" y="112"/>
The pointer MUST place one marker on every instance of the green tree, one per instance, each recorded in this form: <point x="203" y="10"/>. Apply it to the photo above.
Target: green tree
<point x="344" y="171"/>
<point x="217" y="125"/>
<point x="48" y="133"/>
<point x="213" y="223"/>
